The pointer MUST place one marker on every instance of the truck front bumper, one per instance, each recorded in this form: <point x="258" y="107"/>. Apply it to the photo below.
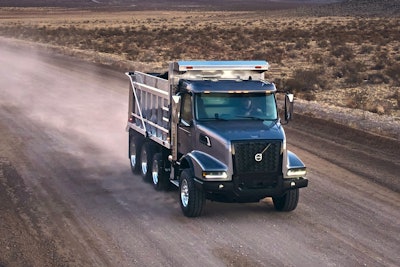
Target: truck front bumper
<point x="228" y="192"/>
<point x="295" y="183"/>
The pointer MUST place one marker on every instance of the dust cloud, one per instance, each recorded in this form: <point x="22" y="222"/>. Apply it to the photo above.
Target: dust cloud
<point x="77" y="106"/>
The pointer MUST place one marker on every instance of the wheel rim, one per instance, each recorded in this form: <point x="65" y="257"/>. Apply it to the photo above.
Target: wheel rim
<point x="155" y="172"/>
<point x="144" y="161"/>
<point x="184" y="193"/>
<point x="133" y="154"/>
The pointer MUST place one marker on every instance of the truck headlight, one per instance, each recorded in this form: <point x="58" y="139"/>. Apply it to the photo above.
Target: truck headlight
<point x="300" y="172"/>
<point x="215" y="175"/>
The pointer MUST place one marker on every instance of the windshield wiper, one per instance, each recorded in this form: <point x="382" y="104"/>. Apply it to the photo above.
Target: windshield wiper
<point x="257" y="118"/>
<point x="271" y="119"/>
<point x="251" y="117"/>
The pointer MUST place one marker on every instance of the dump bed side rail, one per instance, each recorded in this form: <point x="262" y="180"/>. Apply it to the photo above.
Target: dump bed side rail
<point x="150" y="114"/>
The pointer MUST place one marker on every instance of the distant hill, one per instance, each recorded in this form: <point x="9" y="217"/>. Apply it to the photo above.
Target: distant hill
<point x="358" y="8"/>
<point x="303" y="7"/>
<point x="168" y="4"/>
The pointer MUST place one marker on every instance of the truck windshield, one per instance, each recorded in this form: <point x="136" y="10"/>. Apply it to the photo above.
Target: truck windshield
<point x="235" y="106"/>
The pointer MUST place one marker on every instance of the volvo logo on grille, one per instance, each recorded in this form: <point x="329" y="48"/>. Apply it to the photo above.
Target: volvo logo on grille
<point x="258" y="157"/>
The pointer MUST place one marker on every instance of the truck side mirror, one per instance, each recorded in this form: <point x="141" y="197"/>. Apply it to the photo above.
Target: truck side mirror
<point x="289" y="99"/>
<point x="176" y="108"/>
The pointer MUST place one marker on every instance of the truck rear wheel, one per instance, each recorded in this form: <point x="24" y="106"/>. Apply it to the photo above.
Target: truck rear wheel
<point x="288" y="201"/>
<point x="146" y="158"/>
<point x="160" y="178"/>
<point x="192" y="199"/>
<point x="134" y="150"/>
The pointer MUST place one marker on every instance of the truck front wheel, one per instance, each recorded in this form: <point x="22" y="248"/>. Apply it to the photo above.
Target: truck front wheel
<point x="192" y="199"/>
<point x="288" y="201"/>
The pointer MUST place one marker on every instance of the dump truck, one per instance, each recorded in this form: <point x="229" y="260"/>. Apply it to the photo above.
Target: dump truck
<point x="213" y="129"/>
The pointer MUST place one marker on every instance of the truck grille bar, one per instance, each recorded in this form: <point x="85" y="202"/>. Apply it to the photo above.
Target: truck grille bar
<point x="257" y="164"/>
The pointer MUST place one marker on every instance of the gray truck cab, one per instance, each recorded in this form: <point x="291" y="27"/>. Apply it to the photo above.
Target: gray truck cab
<point x="232" y="139"/>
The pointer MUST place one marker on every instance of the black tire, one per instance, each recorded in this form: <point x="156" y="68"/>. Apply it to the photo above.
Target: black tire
<point x="192" y="199"/>
<point x="159" y="176"/>
<point x="288" y="201"/>
<point x="146" y="159"/>
<point x="134" y="153"/>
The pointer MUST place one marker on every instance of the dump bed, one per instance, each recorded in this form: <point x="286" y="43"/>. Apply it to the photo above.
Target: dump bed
<point x="149" y="103"/>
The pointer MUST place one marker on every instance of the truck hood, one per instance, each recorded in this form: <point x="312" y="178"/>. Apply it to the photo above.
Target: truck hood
<point x="244" y="129"/>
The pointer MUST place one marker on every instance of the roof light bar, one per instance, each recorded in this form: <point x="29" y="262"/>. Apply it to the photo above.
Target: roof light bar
<point x="222" y="65"/>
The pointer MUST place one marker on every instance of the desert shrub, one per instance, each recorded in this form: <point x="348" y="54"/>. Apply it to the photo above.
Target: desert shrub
<point x="289" y="47"/>
<point x="322" y="43"/>
<point x="377" y="78"/>
<point x="259" y="56"/>
<point x="336" y="38"/>
<point x="317" y="58"/>
<point x="358" y="98"/>
<point x="352" y="72"/>
<point x="381" y="60"/>
<point x="301" y="43"/>
<point x="306" y="82"/>
<point x="130" y="50"/>
<point x="394" y="73"/>
<point x="344" y="52"/>
<point x="378" y="108"/>
<point x="378" y="66"/>
<point x="394" y="98"/>
<point x="331" y="62"/>
<point x="354" y="79"/>
<point x="292" y="34"/>
<point x="366" y="49"/>
<point x="106" y="48"/>
<point x="275" y="54"/>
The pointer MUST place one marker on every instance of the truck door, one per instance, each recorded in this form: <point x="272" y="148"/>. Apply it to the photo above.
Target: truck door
<point x="185" y="127"/>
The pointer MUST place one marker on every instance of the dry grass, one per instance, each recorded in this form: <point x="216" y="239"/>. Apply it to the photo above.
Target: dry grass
<point x="346" y="61"/>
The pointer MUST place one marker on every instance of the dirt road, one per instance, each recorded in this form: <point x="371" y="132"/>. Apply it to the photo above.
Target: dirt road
<point x="68" y="198"/>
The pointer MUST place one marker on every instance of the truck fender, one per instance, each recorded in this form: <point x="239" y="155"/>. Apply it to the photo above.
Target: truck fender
<point x="201" y="162"/>
<point x="293" y="162"/>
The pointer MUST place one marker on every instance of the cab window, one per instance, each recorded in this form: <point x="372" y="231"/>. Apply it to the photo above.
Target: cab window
<point x="186" y="110"/>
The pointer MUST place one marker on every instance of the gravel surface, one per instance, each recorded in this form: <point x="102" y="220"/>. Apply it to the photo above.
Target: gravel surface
<point x="68" y="198"/>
